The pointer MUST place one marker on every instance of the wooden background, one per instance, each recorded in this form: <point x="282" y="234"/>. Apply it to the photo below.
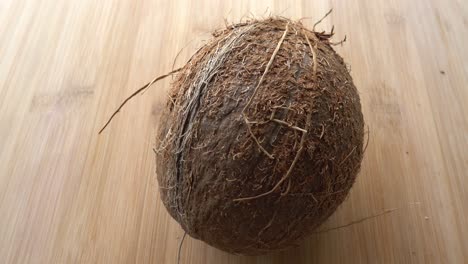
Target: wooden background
<point x="68" y="195"/>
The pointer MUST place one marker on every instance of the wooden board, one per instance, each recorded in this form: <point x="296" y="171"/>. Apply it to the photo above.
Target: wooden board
<point x="68" y="195"/>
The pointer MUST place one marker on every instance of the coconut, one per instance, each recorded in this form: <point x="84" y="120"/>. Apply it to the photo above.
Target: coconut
<point x="261" y="138"/>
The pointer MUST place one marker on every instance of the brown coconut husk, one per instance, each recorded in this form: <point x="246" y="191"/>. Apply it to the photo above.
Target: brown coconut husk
<point x="261" y="137"/>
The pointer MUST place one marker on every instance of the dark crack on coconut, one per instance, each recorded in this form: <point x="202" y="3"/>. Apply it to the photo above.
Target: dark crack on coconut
<point x="216" y="181"/>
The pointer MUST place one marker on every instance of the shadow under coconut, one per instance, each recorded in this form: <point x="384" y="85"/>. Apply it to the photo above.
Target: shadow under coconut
<point x="310" y="250"/>
<point x="337" y="240"/>
<point x="327" y="244"/>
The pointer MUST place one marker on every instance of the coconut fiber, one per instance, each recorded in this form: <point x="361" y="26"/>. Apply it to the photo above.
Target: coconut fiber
<point x="261" y="138"/>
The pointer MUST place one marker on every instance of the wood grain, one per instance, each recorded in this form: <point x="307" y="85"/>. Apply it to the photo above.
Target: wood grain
<point x="68" y="195"/>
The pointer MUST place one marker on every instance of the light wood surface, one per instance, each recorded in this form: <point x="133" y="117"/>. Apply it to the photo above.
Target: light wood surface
<point x="68" y="195"/>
